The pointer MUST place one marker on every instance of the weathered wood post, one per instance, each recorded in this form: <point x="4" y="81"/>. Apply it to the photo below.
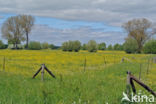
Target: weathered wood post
<point x="140" y="71"/>
<point x="122" y="60"/>
<point x="85" y="64"/>
<point x="4" y="63"/>
<point x="130" y="79"/>
<point x="128" y="88"/>
<point x="104" y="60"/>
<point x="42" y="72"/>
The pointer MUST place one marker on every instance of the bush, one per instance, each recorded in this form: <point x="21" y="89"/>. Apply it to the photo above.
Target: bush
<point x="92" y="46"/>
<point x="118" y="47"/>
<point x="102" y="46"/>
<point x="76" y="45"/>
<point x="12" y="46"/>
<point x="150" y="47"/>
<point x="130" y="46"/>
<point x="71" y="46"/>
<point x="110" y="47"/>
<point x="52" y="46"/>
<point x="34" y="45"/>
<point x="45" y="45"/>
<point x="65" y="46"/>
<point x="2" y="45"/>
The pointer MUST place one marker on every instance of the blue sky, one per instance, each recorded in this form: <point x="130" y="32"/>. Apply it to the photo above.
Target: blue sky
<point x="57" y="21"/>
<point x="62" y="24"/>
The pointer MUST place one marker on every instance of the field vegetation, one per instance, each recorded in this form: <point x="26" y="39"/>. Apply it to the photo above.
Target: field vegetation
<point x="102" y="81"/>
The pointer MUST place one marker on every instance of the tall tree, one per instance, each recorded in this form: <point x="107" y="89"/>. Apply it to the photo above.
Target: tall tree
<point x="27" y="22"/>
<point x="102" y="46"/>
<point x="140" y="30"/>
<point x="12" y="31"/>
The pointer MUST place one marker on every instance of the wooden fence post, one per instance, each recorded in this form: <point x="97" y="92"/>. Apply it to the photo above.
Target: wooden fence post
<point x="131" y="78"/>
<point x="42" y="72"/>
<point x="128" y="89"/>
<point x="4" y="63"/>
<point x="104" y="60"/>
<point x="85" y="64"/>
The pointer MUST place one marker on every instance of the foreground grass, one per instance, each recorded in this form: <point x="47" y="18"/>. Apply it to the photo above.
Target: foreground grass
<point x="99" y="84"/>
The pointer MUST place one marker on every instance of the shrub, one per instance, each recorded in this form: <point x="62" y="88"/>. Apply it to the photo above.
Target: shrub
<point x="2" y="45"/>
<point x="130" y="46"/>
<point x="34" y="45"/>
<point x="76" y="45"/>
<point x="118" y="47"/>
<point x="92" y="46"/>
<point x="71" y="46"/>
<point x="65" y="46"/>
<point x="150" y="47"/>
<point x="45" y="45"/>
<point x="102" y="46"/>
<point x="12" y="46"/>
<point x="52" y="46"/>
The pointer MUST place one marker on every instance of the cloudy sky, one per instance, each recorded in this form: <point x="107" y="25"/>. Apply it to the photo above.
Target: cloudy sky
<point x="57" y="21"/>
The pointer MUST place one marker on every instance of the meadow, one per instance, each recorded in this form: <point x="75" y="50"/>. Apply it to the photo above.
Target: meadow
<point x="103" y="80"/>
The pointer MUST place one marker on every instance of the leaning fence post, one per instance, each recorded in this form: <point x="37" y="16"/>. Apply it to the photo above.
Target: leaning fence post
<point x="42" y="72"/>
<point x="131" y="78"/>
<point x="128" y="89"/>
<point x="4" y="63"/>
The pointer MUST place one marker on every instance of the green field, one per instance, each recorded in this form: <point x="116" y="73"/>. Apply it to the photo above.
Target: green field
<point x="102" y="82"/>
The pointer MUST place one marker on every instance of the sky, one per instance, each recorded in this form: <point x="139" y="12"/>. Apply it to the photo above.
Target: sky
<point x="57" y="21"/>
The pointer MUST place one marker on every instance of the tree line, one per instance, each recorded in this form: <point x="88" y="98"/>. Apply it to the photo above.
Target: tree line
<point x="16" y="29"/>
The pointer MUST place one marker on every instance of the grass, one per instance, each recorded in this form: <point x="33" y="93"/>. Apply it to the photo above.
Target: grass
<point x="100" y="83"/>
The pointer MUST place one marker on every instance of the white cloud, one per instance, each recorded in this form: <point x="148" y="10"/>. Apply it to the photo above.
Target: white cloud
<point x="57" y="36"/>
<point x="113" y="12"/>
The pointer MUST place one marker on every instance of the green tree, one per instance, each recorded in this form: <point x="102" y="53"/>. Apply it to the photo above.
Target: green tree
<point x="84" y="47"/>
<point x="52" y="46"/>
<point x="118" y="47"/>
<point x="130" y="46"/>
<point x="92" y="46"/>
<point x="65" y="46"/>
<point x="27" y="22"/>
<point x="70" y="46"/>
<point x="12" y="30"/>
<point x="2" y="45"/>
<point x="150" y="47"/>
<point x="140" y="30"/>
<point x="102" y="46"/>
<point x="45" y="45"/>
<point x="76" y="45"/>
<point x="34" y="45"/>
